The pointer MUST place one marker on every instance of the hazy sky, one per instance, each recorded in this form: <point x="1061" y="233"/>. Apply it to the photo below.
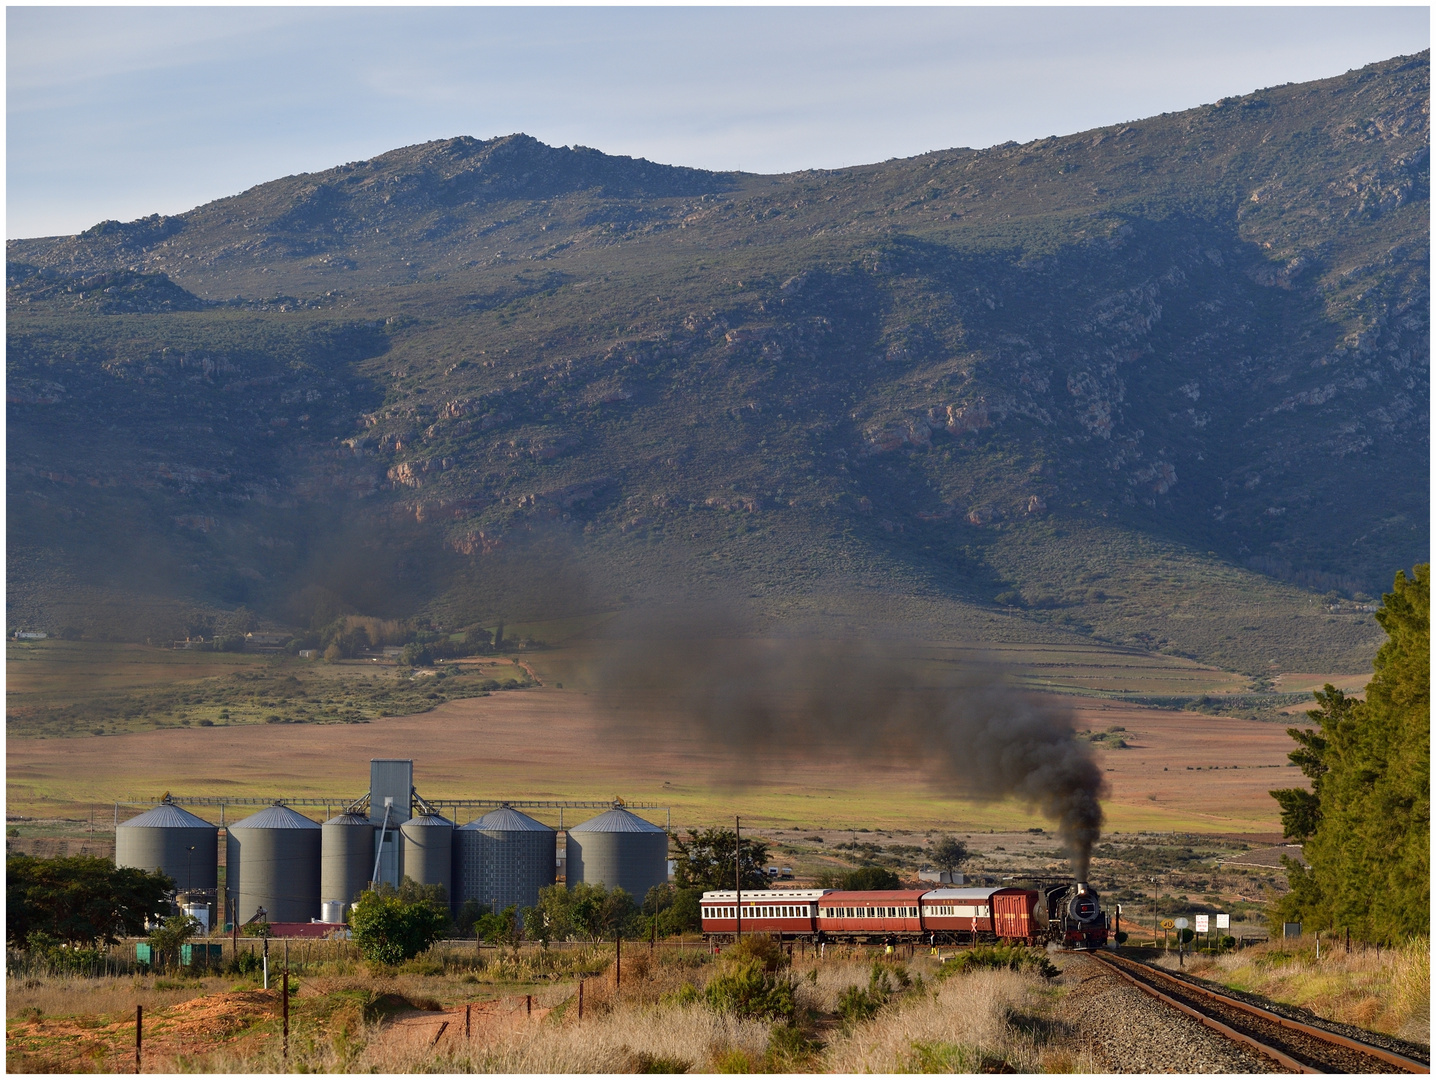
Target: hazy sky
<point x="120" y="112"/>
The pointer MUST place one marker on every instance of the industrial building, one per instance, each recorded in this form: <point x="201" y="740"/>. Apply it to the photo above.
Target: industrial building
<point x="285" y="868"/>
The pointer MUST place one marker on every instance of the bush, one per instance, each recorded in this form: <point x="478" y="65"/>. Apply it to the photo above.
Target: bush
<point x="390" y="930"/>
<point x="585" y="912"/>
<point x="62" y="958"/>
<point x="749" y="991"/>
<point x="763" y="951"/>
<point x="1011" y="957"/>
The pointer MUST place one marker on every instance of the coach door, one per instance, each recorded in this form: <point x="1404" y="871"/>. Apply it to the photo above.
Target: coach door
<point x="1010" y="915"/>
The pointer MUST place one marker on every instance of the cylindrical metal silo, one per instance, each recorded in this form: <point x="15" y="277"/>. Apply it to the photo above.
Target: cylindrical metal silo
<point x="174" y="841"/>
<point x="273" y="862"/>
<point x="503" y="858"/>
<point x="427" y="846"/>
<point x="618" y="849"/>
<point x="348" y="858"/>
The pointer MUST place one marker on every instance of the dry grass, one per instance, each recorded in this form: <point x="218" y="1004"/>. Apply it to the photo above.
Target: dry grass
<point x="390" y="1022"/>
<point x="1389" y="991"/>
<point x="61" y="995"/>
<point x="984" y="1021"/>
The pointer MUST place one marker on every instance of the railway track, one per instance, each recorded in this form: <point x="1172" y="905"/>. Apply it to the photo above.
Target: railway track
<point x="1293" y="1045"/>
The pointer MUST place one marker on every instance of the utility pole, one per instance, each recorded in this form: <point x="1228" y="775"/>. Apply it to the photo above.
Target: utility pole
<point x="738" y="873"/>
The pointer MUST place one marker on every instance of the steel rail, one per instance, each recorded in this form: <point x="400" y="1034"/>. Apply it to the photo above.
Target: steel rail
<point x="1285" y="1060"/>
<point x="1390" y="1057"/>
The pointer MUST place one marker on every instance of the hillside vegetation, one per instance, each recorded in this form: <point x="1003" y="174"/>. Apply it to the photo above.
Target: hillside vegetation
<point x="1164" y="384"/>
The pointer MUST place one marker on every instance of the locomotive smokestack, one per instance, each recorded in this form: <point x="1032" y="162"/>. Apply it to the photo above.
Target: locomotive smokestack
<point x="964" y="727"/>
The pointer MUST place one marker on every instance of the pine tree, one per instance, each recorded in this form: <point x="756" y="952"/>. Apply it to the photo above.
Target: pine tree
<point x="1367" y="820"/>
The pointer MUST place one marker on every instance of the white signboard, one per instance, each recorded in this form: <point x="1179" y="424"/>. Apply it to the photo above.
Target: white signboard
<point x="1202" y="924"/>
<point x="1182" y="924"/>
<point x="1224" y="921"/>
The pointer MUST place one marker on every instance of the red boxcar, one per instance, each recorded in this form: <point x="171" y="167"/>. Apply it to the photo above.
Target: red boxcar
<point x="957" y="914"/>
<point x="853" y="915"/>
<point x="765" y="911"/>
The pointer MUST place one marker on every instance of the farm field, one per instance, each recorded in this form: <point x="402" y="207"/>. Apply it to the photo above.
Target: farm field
<point x="1179" y="771"/>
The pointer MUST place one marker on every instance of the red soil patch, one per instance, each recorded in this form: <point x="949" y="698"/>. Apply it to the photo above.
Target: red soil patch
<point x="198" y="1026"/>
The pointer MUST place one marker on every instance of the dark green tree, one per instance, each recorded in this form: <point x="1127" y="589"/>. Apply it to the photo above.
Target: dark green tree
<point x="867" y="878"/>
<point x="706" y="860"/>
<point x="80" y="899"/>
<point x="1301" y="807"/>
<point x="1368" y="823"/>
<point x="585" y="912"/>
<point x="388" y="929"/>
<point x="948" y="853"/>
<point x="673" y="910"/>
<point x="173" y="933"/>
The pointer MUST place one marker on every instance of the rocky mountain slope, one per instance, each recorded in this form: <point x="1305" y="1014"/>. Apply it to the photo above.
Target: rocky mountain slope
<point x="1165" y="384"/>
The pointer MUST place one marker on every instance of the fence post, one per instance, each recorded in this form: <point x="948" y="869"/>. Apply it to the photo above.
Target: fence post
<point x="580" y="999"/>
<point x="468" y="1009"/>
<point x="139" y="1034"/>
<point x="618" y="959"/>
<point x="285" y="996"/>
<point x="528" y="1004"/>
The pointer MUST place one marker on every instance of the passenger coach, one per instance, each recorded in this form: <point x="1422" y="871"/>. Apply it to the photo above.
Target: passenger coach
<point x="777" y="911"/>
<point x="937" y="916"/>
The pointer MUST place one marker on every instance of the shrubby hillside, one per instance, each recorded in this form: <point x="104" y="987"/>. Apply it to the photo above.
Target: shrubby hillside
<point x="1165" y="384"/>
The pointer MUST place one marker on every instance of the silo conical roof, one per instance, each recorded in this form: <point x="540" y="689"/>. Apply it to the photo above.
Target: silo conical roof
<point x="166" y="816"/>
<point x="427" y="821"/>
<point x="276" y="817"/>
<point x="350" y="819"/>
<point x="507" y="819"/>
<point x="617" y="820"/>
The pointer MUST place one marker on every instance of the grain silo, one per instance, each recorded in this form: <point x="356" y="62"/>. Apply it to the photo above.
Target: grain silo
<point x="173" y="841"/>
<point x="347" y="863"/>
<point x="274" y="859"/>
<point x="426" y="843"/>
<point x="618" y="849"/>
<point x="503" y="858"/>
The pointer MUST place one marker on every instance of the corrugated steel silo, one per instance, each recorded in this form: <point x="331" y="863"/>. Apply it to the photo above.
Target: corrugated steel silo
<point x="274" y="863"/>
<point x="618" y="849"/>
<point x="503" y="858"/>
<point x="174" y="841"/>
<point x="427" y="846"/>
<point x="348" y="858"/>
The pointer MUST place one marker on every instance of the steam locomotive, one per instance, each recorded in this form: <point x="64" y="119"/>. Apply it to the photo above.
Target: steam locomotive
<point x="1068" y="914"/>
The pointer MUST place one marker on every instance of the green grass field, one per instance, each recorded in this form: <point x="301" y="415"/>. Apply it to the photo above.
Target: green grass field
<point x="62" y="689"/>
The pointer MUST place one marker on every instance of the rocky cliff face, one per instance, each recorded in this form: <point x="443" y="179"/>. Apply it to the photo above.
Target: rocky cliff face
<point x="1208" y="330"/>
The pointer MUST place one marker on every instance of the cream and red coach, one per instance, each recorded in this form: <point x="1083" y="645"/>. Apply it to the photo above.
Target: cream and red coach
<point x="765" y="911"/>
<point x="940" y="915"/>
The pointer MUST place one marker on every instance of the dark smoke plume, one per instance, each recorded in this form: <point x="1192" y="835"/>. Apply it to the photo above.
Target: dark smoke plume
<point x="771" y="701"/>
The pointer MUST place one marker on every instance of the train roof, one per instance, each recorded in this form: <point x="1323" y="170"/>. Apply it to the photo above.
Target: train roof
<point x="874" y="896"/>
<point x="953" y="896"/>
<point x="764" y="896"/>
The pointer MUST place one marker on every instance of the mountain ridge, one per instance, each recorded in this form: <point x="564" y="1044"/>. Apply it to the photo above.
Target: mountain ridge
<point x="1199" y="331"/>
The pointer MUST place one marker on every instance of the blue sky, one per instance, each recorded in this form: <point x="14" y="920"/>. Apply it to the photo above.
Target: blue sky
<point x="118" y="112"/>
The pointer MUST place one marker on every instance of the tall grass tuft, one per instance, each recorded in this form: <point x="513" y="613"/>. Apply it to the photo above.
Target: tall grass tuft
<point x="1387" y="991"/>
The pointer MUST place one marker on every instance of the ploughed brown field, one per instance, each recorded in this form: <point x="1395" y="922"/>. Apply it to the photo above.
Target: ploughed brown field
<point x="1179" y="771"/>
